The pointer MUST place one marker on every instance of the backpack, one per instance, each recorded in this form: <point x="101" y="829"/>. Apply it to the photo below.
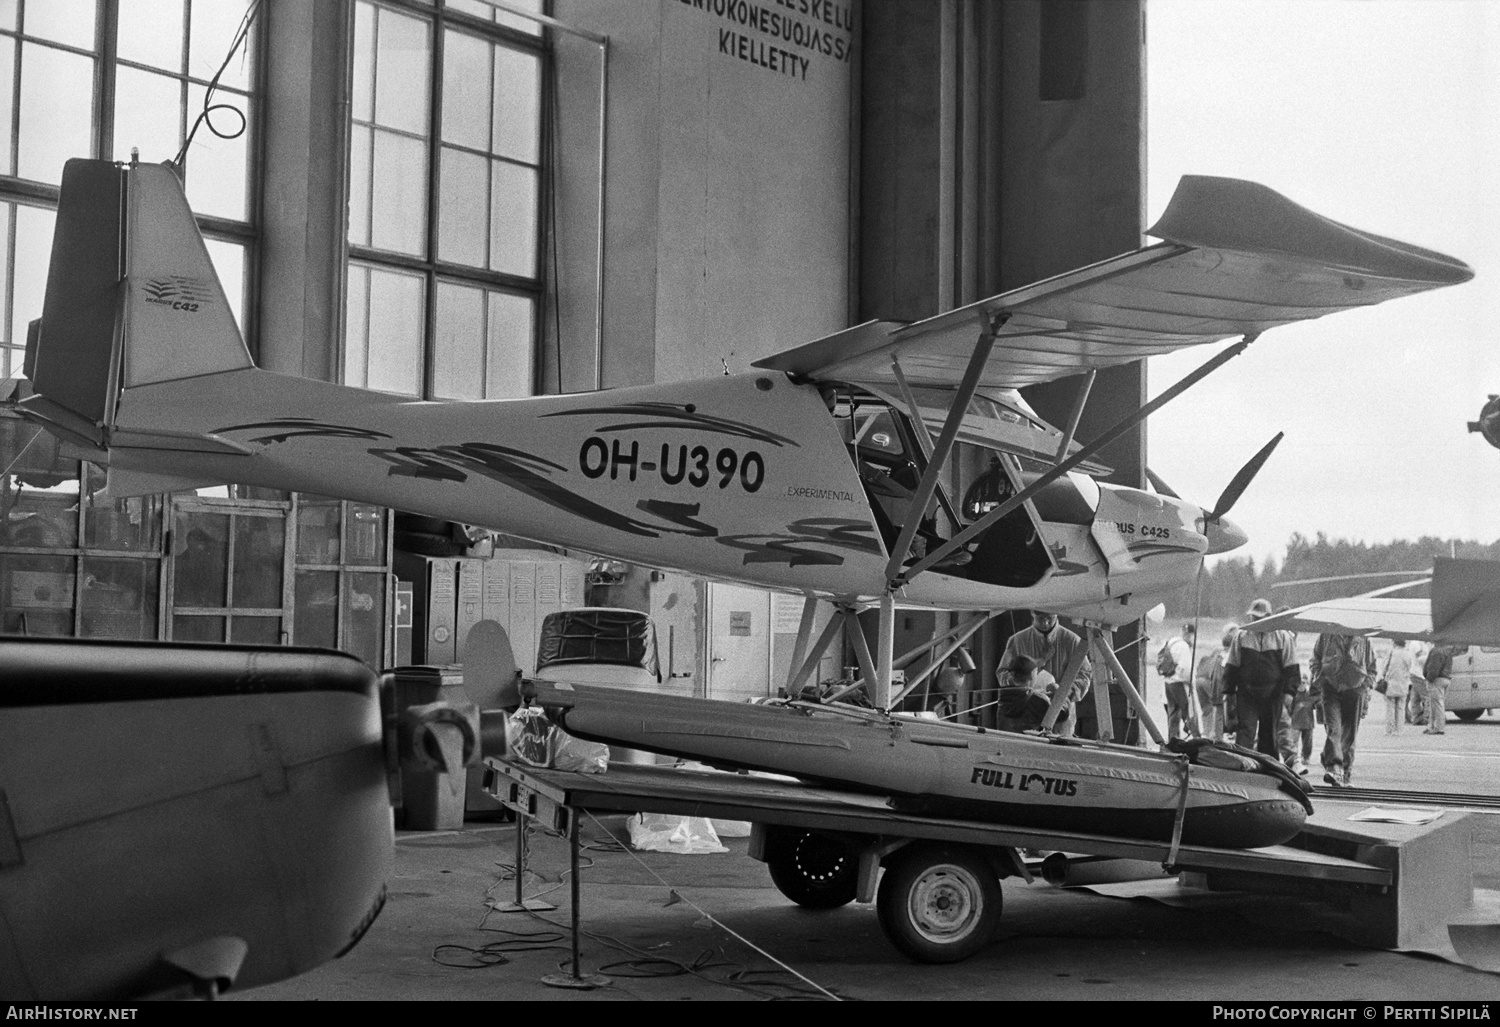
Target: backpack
<point x="1166" y="665"/>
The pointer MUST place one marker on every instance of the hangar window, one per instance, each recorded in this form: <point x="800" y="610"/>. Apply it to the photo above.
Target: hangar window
<point x="100" y="78"/>
<point x="445" y="183"/>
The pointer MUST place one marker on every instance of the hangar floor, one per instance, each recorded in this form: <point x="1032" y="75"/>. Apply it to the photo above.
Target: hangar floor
<point x="436" y="939"/>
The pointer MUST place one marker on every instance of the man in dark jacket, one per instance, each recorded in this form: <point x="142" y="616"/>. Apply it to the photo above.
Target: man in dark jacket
<point x="1438" y="670"/>
<point x="1343" y="668"/>
<point x="1257" y="672"/>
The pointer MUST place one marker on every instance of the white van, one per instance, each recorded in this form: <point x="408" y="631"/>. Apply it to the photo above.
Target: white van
<point x="1476" y="682"/>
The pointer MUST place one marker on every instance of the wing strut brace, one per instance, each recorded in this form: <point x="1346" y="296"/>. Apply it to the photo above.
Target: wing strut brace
<point x="898" y="577"/>
<point x="924" y="437"/>
<point x="1083" y="397"/>
<point x="942" y="447"/>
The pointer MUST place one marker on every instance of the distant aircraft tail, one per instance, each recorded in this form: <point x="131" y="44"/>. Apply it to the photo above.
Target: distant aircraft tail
<point x="132" y="300"/>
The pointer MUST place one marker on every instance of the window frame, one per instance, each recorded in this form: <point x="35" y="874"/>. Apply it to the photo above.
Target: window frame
<point x="433" y="270"/>
<point x="31" y="192"/>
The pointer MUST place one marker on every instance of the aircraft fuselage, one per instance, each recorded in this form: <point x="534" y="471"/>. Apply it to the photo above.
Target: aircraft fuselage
<point x="746" y="478"/>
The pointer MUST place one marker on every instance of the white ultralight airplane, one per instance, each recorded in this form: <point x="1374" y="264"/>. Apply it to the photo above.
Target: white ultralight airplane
<point x="827" y="471"/>
<point x="884" y="466"/>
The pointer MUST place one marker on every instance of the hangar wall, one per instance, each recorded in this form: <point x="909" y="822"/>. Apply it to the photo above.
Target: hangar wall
<point x="1001" y="144"/>
<point x="775" y="170"/>
<point x="727" y="224"/>
<point x="727" y="185"/>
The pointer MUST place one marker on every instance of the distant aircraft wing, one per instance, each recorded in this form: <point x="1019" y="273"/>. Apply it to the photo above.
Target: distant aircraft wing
<point x="1386" y="617"/>
<point x="1466" y="601"/>
<point x="1464" y="608"/>
<point x="1238" y="258"/>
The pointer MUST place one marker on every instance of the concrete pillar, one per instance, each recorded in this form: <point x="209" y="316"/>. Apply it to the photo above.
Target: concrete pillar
<point x="305" y="130"/>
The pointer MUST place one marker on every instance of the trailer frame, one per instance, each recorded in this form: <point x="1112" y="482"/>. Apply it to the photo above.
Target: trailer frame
<point x="939" y="900"/>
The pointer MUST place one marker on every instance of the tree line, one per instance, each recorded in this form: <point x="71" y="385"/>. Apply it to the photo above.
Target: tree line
<point x="1227" y="589"/>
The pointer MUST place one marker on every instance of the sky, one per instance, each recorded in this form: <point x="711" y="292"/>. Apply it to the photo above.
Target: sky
<point x="1384" y="115"/>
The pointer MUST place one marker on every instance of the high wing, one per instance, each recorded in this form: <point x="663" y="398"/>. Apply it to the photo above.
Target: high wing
<point x="1464" y="608"/>
<point x="1238" y="258"/>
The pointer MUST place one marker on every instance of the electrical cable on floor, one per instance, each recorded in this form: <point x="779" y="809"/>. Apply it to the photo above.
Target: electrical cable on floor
<point x="722" y="926"/>
<point x="732" y="980"/>
<point x="642" y="965"/>
<point x="496" y="952"/>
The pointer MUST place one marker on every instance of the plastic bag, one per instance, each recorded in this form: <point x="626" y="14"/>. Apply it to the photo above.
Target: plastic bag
<point x="530" y="736"/>
<point x="569" y="753"/>
<point x="659" y="832"/>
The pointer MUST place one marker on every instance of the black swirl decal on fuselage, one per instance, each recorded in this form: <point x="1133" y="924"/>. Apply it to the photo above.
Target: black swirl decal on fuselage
<point x="672" y="415"/>
<point x="303" y="427"/>
<point x="807" y="543"/>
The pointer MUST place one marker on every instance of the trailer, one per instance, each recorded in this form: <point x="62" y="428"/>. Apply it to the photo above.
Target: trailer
<point x="936" y="882"/>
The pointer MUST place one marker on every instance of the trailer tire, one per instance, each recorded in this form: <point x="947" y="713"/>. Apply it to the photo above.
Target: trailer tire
<point x="939" y="903"/>
<point x="814" y="869"/>
<point x="1468" y="716"/>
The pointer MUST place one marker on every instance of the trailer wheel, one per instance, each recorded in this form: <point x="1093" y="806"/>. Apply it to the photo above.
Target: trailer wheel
<point x="813" y="869"/>
<point x="1468" y="716"/>
<point x="939" y="903"/>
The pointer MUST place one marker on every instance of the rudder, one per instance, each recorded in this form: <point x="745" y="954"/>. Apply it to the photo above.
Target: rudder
<point x="132" y="298"/>
<point x="70" y="360"/>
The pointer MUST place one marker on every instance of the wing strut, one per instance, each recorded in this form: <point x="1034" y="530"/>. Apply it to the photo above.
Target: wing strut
<point x="979" y="527"/>
<point x="1083" y="397"/>
<point x="951" y="640"/>
<point x="940" y="450"/>
<point x="924" y="437"/>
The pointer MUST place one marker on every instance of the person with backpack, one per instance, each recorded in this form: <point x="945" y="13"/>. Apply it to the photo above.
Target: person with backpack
<point x="1438" y="672"/>
<point x="1343" y="669"/>
<point x="1257" y="672"/>
<point x="1174" y="662"/>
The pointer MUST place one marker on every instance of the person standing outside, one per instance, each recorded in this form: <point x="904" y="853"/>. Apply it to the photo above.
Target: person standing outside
<point x="1438" y="672"/>
<point x="1256" y="672"/>
<point x="1175" y="663"/>
<point x="1297" y="740"/>
<point x="1343" y="669"/>
<point x="1208" y="680"/>
<point x="1396" y="675"/>
<point x="1052" y="646"/>
<point x="1416" y="698"/>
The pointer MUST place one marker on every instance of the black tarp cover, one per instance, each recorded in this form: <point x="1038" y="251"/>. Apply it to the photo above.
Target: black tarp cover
<point x="625" y="638"/>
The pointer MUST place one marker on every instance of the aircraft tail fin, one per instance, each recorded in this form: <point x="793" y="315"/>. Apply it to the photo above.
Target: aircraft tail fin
<point x="132" y="299"/>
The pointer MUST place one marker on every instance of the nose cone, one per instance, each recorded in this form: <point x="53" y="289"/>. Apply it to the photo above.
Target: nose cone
<point x="1224" y="536"/>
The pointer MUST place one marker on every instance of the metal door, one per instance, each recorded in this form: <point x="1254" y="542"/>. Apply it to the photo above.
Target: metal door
<point x="739" y="643"/>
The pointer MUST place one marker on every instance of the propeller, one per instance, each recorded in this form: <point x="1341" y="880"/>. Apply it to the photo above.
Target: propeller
<point x="1241" y="481"/>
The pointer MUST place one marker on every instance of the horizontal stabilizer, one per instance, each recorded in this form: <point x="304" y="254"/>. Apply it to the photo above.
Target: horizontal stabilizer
<point x="182" y="442"/>
<point x="123" y="483"/>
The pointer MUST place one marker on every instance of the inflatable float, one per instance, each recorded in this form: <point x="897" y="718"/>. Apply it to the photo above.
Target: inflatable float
<point x="1227" y="796"/>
